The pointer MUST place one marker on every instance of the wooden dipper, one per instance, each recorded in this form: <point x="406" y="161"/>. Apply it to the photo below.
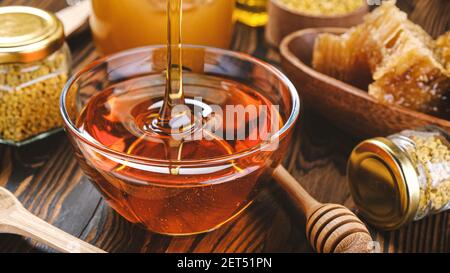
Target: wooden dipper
<point x="15" y="219"/>
<point x="330" y="228"/>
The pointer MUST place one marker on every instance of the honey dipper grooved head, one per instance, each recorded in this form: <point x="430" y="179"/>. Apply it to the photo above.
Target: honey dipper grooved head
<point x="335" y="229"/>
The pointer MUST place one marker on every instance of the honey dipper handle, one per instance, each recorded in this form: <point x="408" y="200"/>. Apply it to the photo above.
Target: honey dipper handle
<point x="302" y="198"/>
<point x="22" y="222"/>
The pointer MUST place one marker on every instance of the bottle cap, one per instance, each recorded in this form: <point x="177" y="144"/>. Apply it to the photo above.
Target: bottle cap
<point x="384" y="183"/>
<point x="28" y="34"/>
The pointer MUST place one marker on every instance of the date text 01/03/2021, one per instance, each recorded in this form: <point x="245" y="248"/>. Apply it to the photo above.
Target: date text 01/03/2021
<point x="232" y="262"/>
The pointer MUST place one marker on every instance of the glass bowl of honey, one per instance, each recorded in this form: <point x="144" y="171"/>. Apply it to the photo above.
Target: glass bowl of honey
<point x="243" y="112"/>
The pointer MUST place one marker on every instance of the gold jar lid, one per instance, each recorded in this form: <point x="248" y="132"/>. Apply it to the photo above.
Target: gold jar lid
<point x="28" y="34"/>
<point x="384" y="183"/>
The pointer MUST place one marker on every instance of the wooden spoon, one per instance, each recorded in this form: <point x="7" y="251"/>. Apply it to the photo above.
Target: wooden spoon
<point x="15" y="219"/>
<point x="330" y="228"/>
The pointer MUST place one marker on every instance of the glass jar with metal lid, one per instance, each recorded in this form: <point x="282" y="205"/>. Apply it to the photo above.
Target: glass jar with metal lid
<point x="34" y="66"/>
<point x="401" y="178"/>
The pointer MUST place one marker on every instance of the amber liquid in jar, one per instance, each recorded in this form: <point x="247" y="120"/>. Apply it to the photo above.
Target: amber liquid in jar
<point x="124" y="24"/>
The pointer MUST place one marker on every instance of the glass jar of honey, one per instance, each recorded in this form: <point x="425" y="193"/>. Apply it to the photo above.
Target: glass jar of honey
<point x="401" y="178"/>
<point x="118" y="25"/>
<point x="34" y="67"/>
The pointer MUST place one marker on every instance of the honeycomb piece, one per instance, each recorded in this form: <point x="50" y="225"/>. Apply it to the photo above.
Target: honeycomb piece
<point x="412" y="77"/>
<point x="384" y="25"/>
<point x="330" y="57"/>
<point x="341" y="57"/>
<point x="443" y="49"/>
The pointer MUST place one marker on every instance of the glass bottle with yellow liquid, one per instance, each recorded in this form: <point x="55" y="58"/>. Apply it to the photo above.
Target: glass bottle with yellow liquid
<point x="122" y="24"/>
<point x="252" y="12"/>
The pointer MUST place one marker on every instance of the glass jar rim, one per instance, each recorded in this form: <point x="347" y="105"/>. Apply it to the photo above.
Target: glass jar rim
<point x="294" y="114"/>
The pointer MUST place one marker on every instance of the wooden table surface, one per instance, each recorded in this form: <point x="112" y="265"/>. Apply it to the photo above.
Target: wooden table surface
<point x="47" y="179"/>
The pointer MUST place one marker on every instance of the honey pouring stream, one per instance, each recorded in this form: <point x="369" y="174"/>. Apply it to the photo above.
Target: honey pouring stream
<point x="175" y="117"/>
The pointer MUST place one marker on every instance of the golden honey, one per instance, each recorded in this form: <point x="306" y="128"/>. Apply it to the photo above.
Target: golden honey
<point x="119" y="24"/>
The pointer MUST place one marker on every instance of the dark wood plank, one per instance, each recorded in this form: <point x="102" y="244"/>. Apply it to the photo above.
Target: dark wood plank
<point x="46" y="178"/>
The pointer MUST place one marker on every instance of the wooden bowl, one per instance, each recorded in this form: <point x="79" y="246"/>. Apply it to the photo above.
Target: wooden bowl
<point x="348" y="107"/>
<point x="283" y="21"/>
